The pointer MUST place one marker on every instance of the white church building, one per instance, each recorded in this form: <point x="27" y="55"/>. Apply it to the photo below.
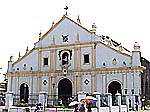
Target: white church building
<point x="70" y="58"/>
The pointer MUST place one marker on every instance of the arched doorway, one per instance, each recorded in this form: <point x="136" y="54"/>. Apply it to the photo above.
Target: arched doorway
<point x="24" y="93"/>
<point x="65" y="90"/>
<point x="113" y="88"/>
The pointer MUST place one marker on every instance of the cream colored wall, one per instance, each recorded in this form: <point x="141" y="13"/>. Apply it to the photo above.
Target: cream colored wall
<point x="80" y="42"/>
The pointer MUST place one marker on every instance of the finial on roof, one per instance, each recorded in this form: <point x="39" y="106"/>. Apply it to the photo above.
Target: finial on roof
<point x="78" y="20"/>
<point x="66" y="8"/>
<point x="27" y="49"/>
<point x="11" y="57"/>
<point x="53" y="23"/>
<point x="40" y="33"/>
<point x="19" y="55"/>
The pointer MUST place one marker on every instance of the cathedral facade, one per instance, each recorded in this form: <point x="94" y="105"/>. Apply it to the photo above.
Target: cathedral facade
<point x="69" y="58"/>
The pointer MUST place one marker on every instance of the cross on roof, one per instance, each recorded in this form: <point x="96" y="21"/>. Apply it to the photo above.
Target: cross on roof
<point x="66" y="8"/>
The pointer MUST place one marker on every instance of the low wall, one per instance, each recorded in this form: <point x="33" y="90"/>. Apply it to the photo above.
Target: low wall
<point x="123" y="108"/>
<point x="104" y="109"/>
<point x="23" y="109"/>
<point x="101" y="109"/>
<point x="115" y="109"/>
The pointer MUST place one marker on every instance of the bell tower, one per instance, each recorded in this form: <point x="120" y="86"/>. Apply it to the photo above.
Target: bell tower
<point x="136" y="55"/>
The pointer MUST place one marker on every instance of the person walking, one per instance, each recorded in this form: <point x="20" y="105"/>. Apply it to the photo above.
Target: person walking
<point x="89" y="108"/>
<point x="76" y="108"/>
<point x="82" y="108"/>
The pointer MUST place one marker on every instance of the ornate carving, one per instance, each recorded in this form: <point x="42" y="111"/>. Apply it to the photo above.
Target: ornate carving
<point x="65" y="38"/>
<point x="60" y="52"/>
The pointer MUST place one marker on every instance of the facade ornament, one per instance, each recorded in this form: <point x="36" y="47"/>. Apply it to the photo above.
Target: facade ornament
<point x="40" y="34"/>
<point x="65" y="38"/>
<point x="120" y="47"/>
<point x="86" y="81"/>
<point x="19" y="55"/>
<point x="124" y="63"/>
<point x="53" y="23"/>
<point x="45" y="82"/>
<point x="114" y="61"/>
<point x="27" y="49"/>
<point x="11" y="57"/>
<point x="78" y="36"/>
<point x="78" y="20"/>
<point x="104" y="64"/>
<point x="53" y="40"/>
<point x="24" y="66"/>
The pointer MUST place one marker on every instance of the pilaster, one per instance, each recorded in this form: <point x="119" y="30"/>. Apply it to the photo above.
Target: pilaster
<point x="79" y="83"/>
<point x="94" y="56"/>
<point x="39" y="58"/>
<point x="94" y="82"/>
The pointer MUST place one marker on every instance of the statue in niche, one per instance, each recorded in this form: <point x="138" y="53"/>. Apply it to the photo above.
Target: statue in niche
<point x="65" y="58"/>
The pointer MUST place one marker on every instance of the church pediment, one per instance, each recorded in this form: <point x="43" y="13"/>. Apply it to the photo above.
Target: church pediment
<point x="65" y="41"/>
<point x="66" y="31"/>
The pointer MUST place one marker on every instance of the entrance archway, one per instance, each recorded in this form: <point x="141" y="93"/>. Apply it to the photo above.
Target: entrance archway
<point x="64" y="90"/>
<point x="113" y="88"/>
<point x="24" y="93"/>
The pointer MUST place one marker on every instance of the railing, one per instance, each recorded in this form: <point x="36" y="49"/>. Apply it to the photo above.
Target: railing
<point x="51" y="100"/>
<point x="32" y="100"/>
<point x="123" y="100"/>
<point x="103" y="100"/>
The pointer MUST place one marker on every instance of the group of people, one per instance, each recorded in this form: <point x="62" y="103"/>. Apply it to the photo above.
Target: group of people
<point x="67" y="102"/>
<point x="82" y="108"/>
<point x="78" y="108"/>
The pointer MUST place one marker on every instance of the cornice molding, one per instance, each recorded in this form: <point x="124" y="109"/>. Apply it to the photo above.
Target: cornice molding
<point x="83" y="71"/>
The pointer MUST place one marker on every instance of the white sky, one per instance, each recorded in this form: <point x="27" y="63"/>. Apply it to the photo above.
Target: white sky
<point x="125" y="21"/>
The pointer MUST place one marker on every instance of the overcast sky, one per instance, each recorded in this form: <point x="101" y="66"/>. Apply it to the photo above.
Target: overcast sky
<point x="125" y="21"/>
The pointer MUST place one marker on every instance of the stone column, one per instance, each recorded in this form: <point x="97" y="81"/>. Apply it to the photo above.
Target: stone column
<point x="43" y="99"/>
<point x="10" y="66"/>
<point x="127" y="98"/>
<point x="118" y="95"/>
<point x="139" y="103"/>
<point x="109" y="97"/>
<point x="133" y="101"/>
<point x="9" y="99"/>
<point x="81" y="95"/>
<point x="93" y="82"/>
<point x="127" y="102"/>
